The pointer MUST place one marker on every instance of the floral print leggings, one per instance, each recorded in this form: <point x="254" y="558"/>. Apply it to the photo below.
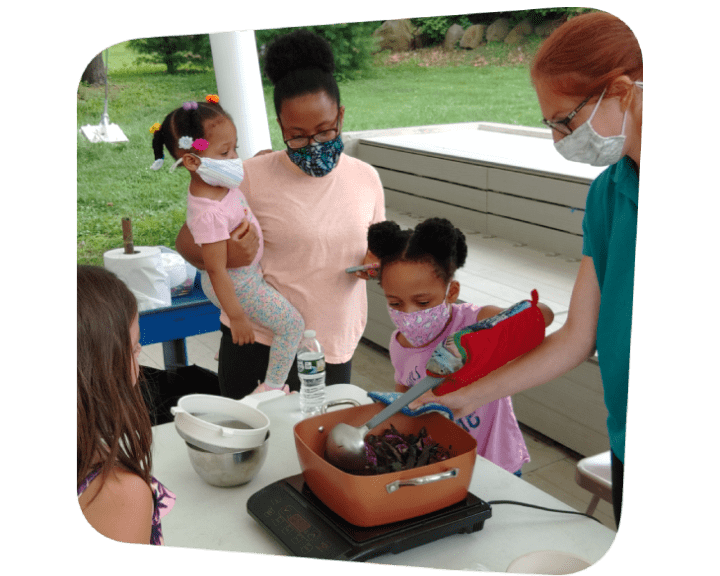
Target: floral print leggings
<point x="266" y="306"/>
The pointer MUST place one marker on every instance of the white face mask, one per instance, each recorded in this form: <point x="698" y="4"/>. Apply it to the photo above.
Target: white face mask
<point x="222" y="173"/>
<point x="587" y="146"/>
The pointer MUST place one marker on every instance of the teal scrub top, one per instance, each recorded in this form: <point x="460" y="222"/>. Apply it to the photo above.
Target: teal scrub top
<point x="609" y="231"/>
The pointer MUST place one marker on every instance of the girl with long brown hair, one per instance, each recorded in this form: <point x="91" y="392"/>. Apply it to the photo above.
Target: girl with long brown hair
<point x="116" y="491"/>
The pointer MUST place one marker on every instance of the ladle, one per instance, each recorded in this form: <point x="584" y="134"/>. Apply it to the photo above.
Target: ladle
<point x="345" y="447"/>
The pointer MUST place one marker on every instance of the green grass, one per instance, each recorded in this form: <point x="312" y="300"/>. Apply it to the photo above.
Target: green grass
<point x="426" y="87"/>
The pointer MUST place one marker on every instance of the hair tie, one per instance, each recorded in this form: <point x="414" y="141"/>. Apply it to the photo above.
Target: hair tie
<point x="155" y="127"/>
<point x="212" y="98"/>
<point x="185" y="142"/>
<point x="157" y="164"/>
<point x="190" y="106"/>
<point x="200" y="144"/>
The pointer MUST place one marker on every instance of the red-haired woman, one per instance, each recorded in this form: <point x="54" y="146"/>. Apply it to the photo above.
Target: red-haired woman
<point x="588" y="78"/>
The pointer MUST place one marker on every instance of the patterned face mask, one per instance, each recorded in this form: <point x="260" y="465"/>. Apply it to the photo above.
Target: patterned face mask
<point x="422" y="326"/>
<point x="318" y="158"/>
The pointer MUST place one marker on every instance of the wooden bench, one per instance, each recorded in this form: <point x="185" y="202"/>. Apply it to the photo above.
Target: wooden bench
<point x="520" y="205"/>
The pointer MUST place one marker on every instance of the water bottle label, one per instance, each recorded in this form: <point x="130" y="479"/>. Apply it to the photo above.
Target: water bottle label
<point x="311" y="366"/>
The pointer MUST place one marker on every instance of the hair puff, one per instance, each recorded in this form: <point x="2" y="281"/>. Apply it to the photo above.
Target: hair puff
<point x="442" y="240"/>
<point x="435" y="240"/>
<point x="297" y="50"/>
<point x="386" y="239"/>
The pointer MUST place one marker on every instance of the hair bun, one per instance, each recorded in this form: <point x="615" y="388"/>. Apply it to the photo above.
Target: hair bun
<point x="386" y="238"/>
<point x="296" y="50"/>
<point x="439" y="237"/>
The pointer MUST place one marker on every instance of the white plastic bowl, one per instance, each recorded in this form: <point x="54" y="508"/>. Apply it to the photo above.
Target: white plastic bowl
<point x="548" y="562"/>
<point x="217" y="432"/>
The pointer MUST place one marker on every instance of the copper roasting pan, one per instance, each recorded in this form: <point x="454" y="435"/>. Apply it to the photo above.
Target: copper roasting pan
<point x="384" y="498"/>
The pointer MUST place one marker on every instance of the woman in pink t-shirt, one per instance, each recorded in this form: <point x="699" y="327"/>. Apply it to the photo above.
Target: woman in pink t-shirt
<point x="314" y="204"/>
<point x="416" y="274"/>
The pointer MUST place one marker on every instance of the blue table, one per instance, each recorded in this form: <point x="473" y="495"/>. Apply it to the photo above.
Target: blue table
<point x="188" y="315"/>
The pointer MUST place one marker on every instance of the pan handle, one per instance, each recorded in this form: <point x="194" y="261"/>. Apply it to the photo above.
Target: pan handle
<point x="393" y="486"/>
<point x="340" y="402"/>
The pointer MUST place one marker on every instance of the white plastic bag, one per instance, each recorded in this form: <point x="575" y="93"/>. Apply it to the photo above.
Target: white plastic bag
<point x="151" y="273"/>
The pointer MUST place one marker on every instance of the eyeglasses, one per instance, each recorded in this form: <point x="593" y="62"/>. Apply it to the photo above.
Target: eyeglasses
<point x="324" y="136"/>
<point x="562" y="125"/>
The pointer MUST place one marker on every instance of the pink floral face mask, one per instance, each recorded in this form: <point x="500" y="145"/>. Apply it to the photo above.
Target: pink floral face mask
<point x="422" y="326"/>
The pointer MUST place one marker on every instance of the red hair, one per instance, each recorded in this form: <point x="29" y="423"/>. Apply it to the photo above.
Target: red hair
<point x="586" y="54"/>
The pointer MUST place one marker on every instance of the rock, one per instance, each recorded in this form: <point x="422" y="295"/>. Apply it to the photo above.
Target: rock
<point x="473" y="37"/>
<point x="519" y="32"/>
<point x="546" y="28"/>
<point x="497" y="31"/>
<point x="395" y="35"/>
<point x="453" y="36"/>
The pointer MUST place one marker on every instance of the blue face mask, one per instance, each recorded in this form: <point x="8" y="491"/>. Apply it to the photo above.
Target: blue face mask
<point x="318" y="158"/>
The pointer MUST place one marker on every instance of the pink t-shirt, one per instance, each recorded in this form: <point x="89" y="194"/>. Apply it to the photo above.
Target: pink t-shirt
<point x="213" y="220"/>
<point x="493" y="425"/>
<point x="314" y="228"/>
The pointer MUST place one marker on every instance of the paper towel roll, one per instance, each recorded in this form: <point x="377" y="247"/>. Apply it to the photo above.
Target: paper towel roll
<point x="143" y="272"/>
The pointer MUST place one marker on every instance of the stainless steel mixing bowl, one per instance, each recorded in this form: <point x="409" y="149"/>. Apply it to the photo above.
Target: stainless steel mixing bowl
<point x="229" y="468"/>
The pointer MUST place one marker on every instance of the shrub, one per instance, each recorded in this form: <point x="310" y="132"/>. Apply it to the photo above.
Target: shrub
<point x="433" y="28"/>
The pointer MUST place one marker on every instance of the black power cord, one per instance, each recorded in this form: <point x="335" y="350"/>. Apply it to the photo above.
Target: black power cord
<point x="543" y="508"/>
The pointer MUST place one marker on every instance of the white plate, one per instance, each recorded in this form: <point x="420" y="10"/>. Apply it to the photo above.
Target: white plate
<point x="548" y="562"/>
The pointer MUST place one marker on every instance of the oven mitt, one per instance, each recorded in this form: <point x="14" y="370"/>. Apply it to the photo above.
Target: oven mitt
<point x="487" y="345"/>
<point x="390" y="397"/>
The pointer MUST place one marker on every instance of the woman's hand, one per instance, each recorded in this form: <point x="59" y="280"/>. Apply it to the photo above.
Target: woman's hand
<point x="242" y="245"/>
<point x="371" y="274"/>
<point x="460" y="402"/>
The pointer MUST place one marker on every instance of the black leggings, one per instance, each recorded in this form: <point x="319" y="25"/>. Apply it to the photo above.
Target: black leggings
<point x="241" y="368"/>
<point x="618" y="472"/>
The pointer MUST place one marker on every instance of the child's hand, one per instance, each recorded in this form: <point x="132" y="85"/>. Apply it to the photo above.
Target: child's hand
<point x="242" y="331"/>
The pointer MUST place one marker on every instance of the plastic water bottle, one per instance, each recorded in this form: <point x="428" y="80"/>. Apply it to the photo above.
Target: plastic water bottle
<point x="311" y="370"/>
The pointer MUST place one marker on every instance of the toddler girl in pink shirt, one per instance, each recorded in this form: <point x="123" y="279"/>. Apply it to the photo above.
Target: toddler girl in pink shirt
<point x="416" y="274"/>
<point x="202" y="137"/>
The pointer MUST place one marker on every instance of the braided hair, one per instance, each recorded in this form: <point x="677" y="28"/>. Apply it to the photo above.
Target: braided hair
<point x="435" y="241"/>
<point x="185" y="121"/>
<point x="300" y="63"/>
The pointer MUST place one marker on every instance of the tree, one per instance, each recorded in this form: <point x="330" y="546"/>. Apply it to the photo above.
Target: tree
<point x="174" y="51"/>
<point x="95" y="71"/>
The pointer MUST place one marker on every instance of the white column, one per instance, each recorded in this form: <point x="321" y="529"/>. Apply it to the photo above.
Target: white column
<point x="237" y="72"/>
